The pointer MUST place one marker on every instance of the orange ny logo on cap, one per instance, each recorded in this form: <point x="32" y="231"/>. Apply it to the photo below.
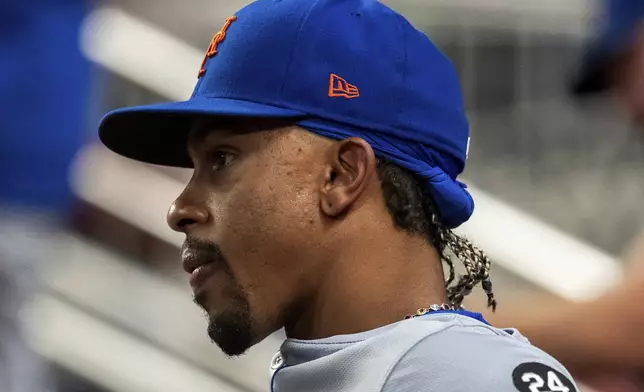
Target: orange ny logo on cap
<point x="339" y="87"/>
<point x="214" y="44"/>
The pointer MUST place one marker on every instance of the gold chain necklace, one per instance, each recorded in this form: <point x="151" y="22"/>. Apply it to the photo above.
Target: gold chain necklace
<point x="432" y="308"/>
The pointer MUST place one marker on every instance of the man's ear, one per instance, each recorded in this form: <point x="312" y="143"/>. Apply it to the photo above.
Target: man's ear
<point x="351" y="164"/>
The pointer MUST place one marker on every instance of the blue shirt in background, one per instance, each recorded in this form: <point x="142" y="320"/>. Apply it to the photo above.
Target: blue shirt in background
<point x="44" y="88"/>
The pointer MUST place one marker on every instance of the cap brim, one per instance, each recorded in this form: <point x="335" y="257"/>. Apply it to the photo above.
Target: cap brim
<point x="158" y="134"/>
<point x="592" y="76"/>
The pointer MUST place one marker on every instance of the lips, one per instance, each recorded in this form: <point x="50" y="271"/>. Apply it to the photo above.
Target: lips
<point x="199" y="267"/>
<point x="191" y="260"/>
<point x="201" y="274"/>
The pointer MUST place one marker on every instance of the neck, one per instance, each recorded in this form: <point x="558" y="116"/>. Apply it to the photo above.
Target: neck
<point x="377" y="281"/>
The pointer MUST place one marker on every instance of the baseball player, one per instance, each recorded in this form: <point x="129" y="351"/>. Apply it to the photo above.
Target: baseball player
<point x="600" y="340"/>
<point x="615" y="59"/>
<point x="326" y="137"/>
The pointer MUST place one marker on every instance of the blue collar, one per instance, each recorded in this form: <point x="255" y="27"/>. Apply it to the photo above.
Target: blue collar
<point x="467" y="313"/>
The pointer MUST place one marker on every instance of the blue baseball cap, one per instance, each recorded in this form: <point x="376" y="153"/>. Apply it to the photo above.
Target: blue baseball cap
<point x="618" y="23"/>
<point x="337" y="68"/>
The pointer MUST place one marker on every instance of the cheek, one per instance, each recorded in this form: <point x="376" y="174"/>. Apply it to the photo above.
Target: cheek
<point x="265" y="225"/>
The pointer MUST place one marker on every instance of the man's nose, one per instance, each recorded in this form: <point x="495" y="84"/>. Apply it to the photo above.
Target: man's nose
<point x="182" y="216"/>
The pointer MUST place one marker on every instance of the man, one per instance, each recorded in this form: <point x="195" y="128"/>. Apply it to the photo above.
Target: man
<point x="601" y="340"/>
<point x="326" y="137"/>
<point x="615" y="59"/>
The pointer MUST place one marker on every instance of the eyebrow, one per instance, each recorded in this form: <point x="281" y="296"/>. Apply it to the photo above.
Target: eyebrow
<point x="229" y="126"/>
<point x="223" y="126"/>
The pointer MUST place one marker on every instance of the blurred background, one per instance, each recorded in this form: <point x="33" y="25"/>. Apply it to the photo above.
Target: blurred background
<point x="103" y="301"/>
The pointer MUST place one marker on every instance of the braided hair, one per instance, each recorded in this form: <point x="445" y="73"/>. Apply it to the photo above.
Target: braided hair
<point x="412" y="208"/>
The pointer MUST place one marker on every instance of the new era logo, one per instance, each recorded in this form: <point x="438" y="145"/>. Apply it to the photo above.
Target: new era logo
<point x="339" y="87"/>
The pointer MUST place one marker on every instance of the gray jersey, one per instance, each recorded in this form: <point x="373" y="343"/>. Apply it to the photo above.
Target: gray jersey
<point x="442" y="352"/>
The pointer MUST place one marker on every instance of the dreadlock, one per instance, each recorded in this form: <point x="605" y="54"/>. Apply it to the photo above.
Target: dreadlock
<point x="408" y="200"/>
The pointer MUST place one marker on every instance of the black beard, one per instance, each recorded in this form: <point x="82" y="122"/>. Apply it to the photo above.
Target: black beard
<point x="231" y="329"/>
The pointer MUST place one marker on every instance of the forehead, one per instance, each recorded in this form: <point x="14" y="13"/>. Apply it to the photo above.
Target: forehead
<point x="206" y="129"/>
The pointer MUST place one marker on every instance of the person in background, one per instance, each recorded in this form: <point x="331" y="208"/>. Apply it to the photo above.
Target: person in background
<point x="44" y="83"/>
<point x="614" y="62"/>
<point x="600" y="341"/>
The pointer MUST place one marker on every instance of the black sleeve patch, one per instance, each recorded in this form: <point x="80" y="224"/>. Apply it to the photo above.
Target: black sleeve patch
<point x="537" y="377"/>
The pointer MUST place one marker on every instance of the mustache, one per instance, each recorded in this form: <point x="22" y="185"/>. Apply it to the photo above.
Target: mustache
<point x="205" y="251"/>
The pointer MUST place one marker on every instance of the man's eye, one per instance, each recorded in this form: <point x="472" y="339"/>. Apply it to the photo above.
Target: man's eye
<point x="221" y="159"/>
